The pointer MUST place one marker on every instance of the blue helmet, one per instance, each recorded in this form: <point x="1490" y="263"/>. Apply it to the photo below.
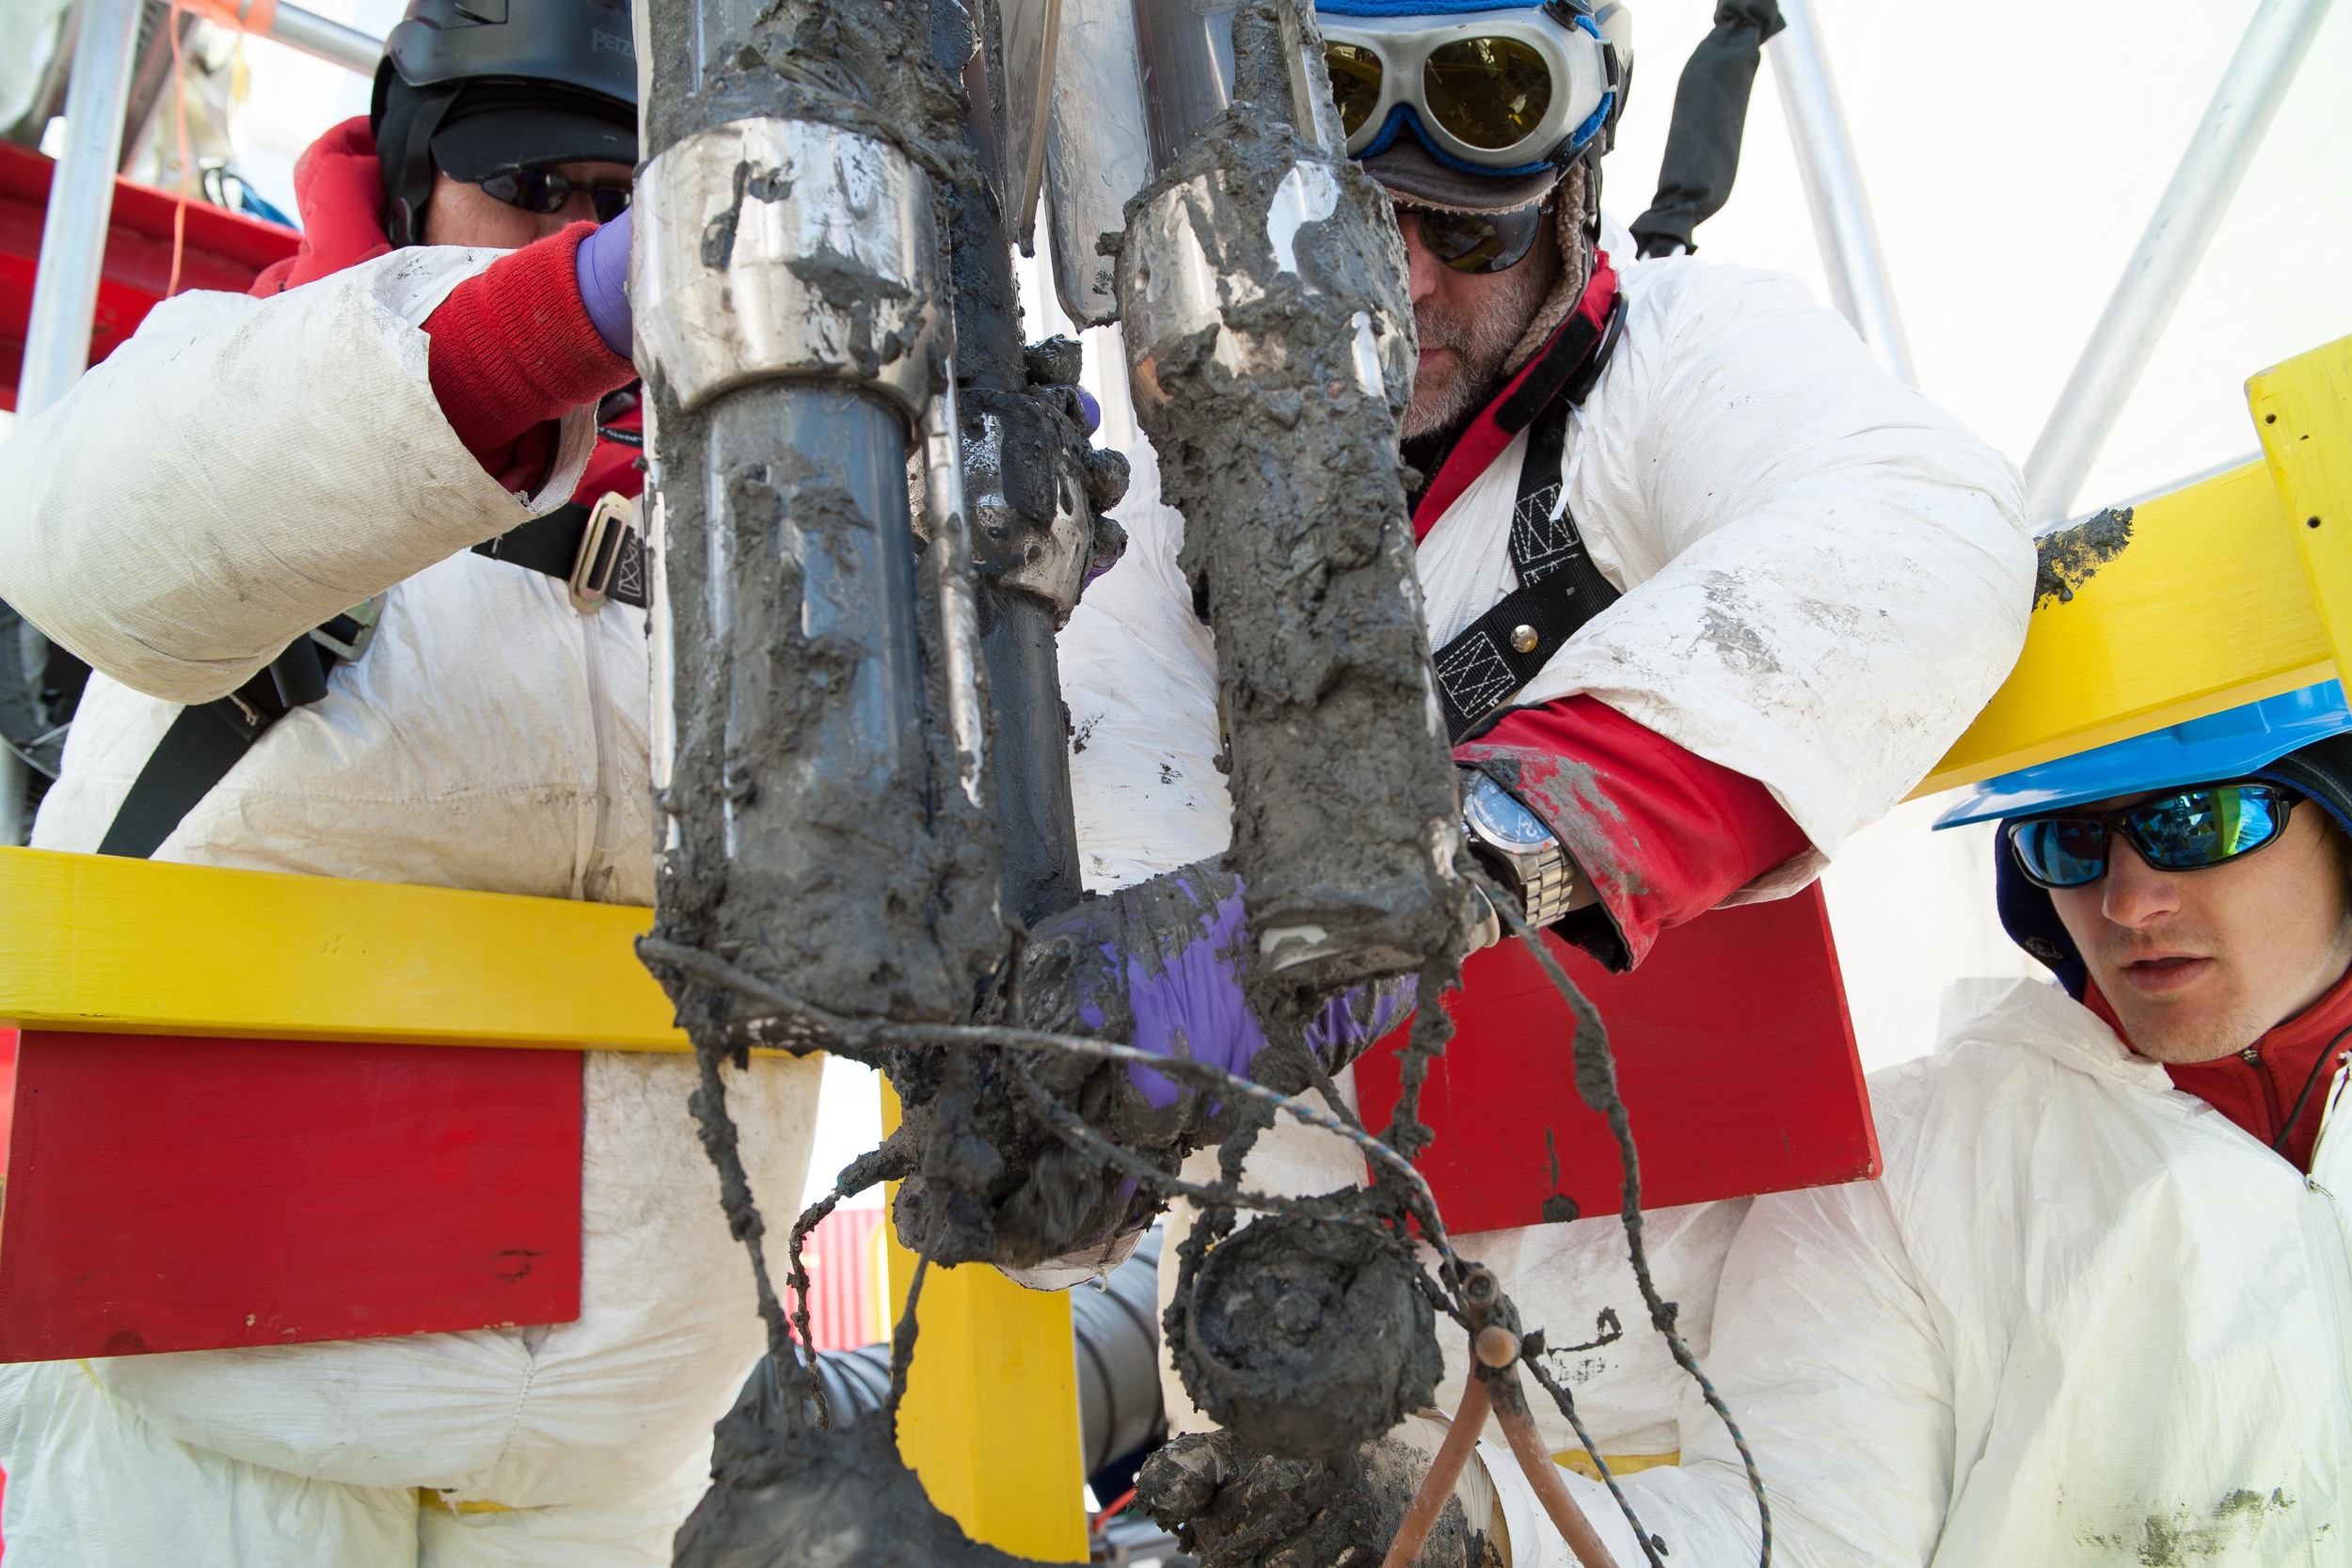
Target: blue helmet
<point x="2301" y="739"/>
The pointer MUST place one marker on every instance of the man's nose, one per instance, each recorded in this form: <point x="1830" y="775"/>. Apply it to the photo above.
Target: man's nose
<point x="2136" y="893"/>
<point x="1420" y="262"/>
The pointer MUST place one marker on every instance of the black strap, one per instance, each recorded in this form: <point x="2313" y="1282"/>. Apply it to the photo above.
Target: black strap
<point x="550" y="545"/>
<point x="1560" y="589"/>
<point x="1710" y="113"/>
<point x="195" y="752"/>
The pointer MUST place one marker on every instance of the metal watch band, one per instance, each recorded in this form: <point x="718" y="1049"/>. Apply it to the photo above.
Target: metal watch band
<point x="1548" y="884"/>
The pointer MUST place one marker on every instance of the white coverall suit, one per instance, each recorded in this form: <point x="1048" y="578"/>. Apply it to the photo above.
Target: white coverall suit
<point x="2082" y="1319"/>
<point x="1825" y="577"/>
<point x="238" y="472"/>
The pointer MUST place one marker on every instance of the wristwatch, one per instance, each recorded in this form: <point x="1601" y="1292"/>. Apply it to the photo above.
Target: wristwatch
<point x="1516" y="848"/>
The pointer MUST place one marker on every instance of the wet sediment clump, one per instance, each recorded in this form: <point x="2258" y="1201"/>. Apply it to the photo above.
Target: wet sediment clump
<point x="1305" y="1339"/>
<point x="1235" y="1507"/>
<point x="814" y="1497"/>
<point x="2072" y="556"/>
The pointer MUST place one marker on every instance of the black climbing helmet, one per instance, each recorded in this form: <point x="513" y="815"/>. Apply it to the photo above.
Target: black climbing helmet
<point x="483" y="88"/>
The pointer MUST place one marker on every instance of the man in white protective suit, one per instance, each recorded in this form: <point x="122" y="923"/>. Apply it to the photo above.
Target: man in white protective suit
<point x="2096" y="1311"/>
<point x="397" y="441"/>
<point x="1791" y="582"/>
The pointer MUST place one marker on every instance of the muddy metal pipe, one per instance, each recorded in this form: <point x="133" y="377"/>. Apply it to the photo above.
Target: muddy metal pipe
<point x="1833" y="188"/>
<point x="1025" y="468"/>
<point x="2159" y="271"/>
<point x="73" y="253"/>
<point x="823" y="780"/>
<point x="1270" y="350"/>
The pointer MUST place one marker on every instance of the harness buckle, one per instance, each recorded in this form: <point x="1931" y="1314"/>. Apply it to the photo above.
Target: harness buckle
<point x="601" y="546"/>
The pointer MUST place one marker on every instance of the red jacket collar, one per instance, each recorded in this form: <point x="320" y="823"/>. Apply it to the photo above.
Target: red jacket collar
<point x="339" y="192"/>
<point x="2260" y="1095"/>
<point x="1528" y="393"/>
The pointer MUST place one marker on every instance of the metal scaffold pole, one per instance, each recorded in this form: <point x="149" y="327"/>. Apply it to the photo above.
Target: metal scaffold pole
<point x="73" y="251"/>
<point x="2159" y="271"/>
<point x="1833" y="188"/>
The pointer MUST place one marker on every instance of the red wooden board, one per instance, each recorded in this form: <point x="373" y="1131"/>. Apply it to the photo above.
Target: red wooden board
<point x="219" y="250"/>
<point x="1735" y="1057"/>
<point x="173" y="1194"/>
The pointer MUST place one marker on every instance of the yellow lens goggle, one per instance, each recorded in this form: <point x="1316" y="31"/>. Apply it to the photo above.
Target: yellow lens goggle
<point x="1497" y="93"/>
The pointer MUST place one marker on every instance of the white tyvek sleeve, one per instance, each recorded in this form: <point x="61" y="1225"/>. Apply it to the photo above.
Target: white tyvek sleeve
<point x="1831" y="575"/>
<point x="242" y="470"/>
<point x="1826" y="1353"/>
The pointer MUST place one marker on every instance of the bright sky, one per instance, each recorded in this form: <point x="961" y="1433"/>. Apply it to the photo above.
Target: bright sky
<point x="2012" y="151"/>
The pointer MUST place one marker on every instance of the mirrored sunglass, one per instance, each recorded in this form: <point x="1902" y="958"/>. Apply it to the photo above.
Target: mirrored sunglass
<point x="1480" y="242"/>
<point x="536" y="190"/>
<point x="1356" y="74"/>
<point x="1492" y="92"/>
<point x="2188" y="830"/>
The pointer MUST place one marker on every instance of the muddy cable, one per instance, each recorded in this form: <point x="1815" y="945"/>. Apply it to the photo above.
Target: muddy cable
<point x="1597" y="1083"/>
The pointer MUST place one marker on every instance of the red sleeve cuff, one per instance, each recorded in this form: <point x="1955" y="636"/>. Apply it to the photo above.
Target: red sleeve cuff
<point x="1663" y="834"/>
<point x="514" y="349"/>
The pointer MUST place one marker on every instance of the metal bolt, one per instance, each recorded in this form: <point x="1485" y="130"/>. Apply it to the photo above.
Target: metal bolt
<point x="1522" y="640"/>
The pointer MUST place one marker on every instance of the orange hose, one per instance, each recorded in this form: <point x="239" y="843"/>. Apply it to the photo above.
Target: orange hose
<point x="1445" y="1470"/>
<point x="180" y="123"/>
<point x="1535" y="1462"/>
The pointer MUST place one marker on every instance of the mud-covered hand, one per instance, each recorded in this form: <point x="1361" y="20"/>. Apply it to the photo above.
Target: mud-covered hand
<point x="601" y="264"/>
<point x="1160" y="965"/>
<point x="1232" y="1506"/>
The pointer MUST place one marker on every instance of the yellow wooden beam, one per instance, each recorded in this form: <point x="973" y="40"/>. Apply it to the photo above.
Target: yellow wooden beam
<point x="101" y="942"/>
<point x="2206" y="608"/>
<point x="2303" y="412"/>
<point x="991" y="1416"/>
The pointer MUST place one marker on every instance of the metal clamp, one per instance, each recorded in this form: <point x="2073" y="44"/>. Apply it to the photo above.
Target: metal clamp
<point x="350" y="646"/>
<point x="591" y="581"/>
<point x="785" y="247"/>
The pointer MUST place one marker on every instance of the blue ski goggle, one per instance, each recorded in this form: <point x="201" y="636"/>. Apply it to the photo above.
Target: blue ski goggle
<point x="1499" y="93"/>
<point x="2188" y="830"/>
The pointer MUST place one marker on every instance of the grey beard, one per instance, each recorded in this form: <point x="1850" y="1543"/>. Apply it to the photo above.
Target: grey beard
<point x="1481" y="345"/>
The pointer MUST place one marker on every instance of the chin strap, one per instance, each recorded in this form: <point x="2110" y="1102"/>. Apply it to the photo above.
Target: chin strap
<point x="409" y="187"/>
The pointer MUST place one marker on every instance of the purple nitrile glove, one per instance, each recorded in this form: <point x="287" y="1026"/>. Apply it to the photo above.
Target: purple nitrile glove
<point x="1161" y="962"/>
<point x="1094" y="410"/>
<point x="601" y="264"/>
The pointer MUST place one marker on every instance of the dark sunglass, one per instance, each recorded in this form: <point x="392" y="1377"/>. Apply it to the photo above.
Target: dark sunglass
<point x="2188" y="830"/>
<point x="1479" y="242"/>
<point x="535" y="190"/>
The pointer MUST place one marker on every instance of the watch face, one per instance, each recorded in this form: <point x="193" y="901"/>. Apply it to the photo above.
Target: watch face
<point x="1501" y="819"/>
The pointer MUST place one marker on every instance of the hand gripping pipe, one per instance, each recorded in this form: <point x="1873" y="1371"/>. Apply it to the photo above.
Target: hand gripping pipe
<point x="820" y="728"/>
<point x="1271" y="348"/>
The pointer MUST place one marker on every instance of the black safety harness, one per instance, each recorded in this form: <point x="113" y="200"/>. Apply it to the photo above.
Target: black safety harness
<point x="594" y="550"/>
<point x="1560" y="589"/>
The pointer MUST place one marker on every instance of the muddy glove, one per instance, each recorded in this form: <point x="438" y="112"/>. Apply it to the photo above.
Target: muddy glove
<point x="601" y="264"/>
<point x="1159" y="965"/>
<point x="1232" y="1506"/>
